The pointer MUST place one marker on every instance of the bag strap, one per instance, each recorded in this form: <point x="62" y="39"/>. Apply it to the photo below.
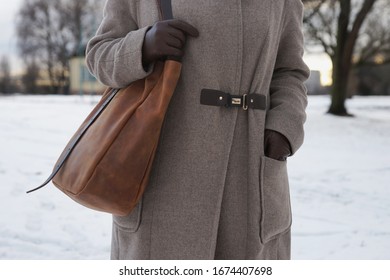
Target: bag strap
<point x="165" y="9"/>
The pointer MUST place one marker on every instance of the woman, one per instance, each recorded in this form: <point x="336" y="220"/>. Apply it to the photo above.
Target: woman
<point x="219" y="186"/>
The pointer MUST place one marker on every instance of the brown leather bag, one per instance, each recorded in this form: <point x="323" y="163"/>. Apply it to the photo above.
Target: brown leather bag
<point x="106" y="164"/>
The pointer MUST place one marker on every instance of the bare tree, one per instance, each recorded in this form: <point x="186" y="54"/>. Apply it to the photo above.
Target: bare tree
<point x="341" y="28"/>
<point x="30" y="77"/>
<point x="373" y="46"/>
<point x="50" y="31"/>
<point x="82" y="18"/>
<point x="5" y="76"/>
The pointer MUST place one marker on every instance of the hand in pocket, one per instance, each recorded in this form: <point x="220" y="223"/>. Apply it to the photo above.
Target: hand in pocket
<point x="276" y="145"/>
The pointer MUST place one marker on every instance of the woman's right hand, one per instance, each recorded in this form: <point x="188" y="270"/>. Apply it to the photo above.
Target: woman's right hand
<point x="166" y="38"/>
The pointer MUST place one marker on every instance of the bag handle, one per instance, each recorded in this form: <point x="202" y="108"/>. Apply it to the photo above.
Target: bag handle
<point x="165" y="9"/>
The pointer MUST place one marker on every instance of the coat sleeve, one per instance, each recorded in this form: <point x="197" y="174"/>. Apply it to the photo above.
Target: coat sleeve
<point x="288" y="99"/>
<point x="114" y="54"/>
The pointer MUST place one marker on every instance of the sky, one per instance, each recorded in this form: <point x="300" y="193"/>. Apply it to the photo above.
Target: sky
<point x="8" y="10"/>
<point x="322" y="63"/>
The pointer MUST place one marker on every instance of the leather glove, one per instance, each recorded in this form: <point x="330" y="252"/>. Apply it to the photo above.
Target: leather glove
<point x="166" y="38"/>
<point x="276" y="145"/>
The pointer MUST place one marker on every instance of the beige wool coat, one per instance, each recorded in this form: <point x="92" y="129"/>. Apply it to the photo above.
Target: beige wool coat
<point x="212" y="193"/>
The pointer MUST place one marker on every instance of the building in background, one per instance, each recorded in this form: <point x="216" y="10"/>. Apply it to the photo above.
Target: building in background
<point x="81" y="81"/>
<point x="372" y="79"/>
<point x="313" y="84"/>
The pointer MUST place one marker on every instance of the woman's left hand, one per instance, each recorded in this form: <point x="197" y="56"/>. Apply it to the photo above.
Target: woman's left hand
<point x="276" y="145"/>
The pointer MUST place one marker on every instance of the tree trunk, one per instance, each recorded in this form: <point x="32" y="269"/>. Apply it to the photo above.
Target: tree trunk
<point x="339" y="89"/>
<point x="341" y="64"/>
<point x="342" y="59"/>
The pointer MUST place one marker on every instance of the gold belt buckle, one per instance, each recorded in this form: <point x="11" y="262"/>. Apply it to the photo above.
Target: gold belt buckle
<point x="236" y="101"/>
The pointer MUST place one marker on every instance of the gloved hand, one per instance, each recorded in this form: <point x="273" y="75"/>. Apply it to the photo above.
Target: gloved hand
<point x="276" y="145"/>
<point x="166" y="38"/>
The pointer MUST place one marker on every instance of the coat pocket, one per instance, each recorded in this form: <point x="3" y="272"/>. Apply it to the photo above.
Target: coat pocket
<point x="131" y="222"/>
<point x="275" y="202"/>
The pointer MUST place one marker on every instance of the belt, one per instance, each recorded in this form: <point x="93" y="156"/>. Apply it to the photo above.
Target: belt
<point x="214" y="97"/>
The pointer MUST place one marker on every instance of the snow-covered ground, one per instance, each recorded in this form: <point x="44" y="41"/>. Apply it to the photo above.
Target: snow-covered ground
<point x="340" y="183"/>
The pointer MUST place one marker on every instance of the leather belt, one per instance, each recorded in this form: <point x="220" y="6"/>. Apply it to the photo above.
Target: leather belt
<point x="214" y="97"/>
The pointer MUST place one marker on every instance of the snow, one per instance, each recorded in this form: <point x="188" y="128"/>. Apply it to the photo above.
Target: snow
<point x="339" y="183"/>
<point x="45" y="224"/>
